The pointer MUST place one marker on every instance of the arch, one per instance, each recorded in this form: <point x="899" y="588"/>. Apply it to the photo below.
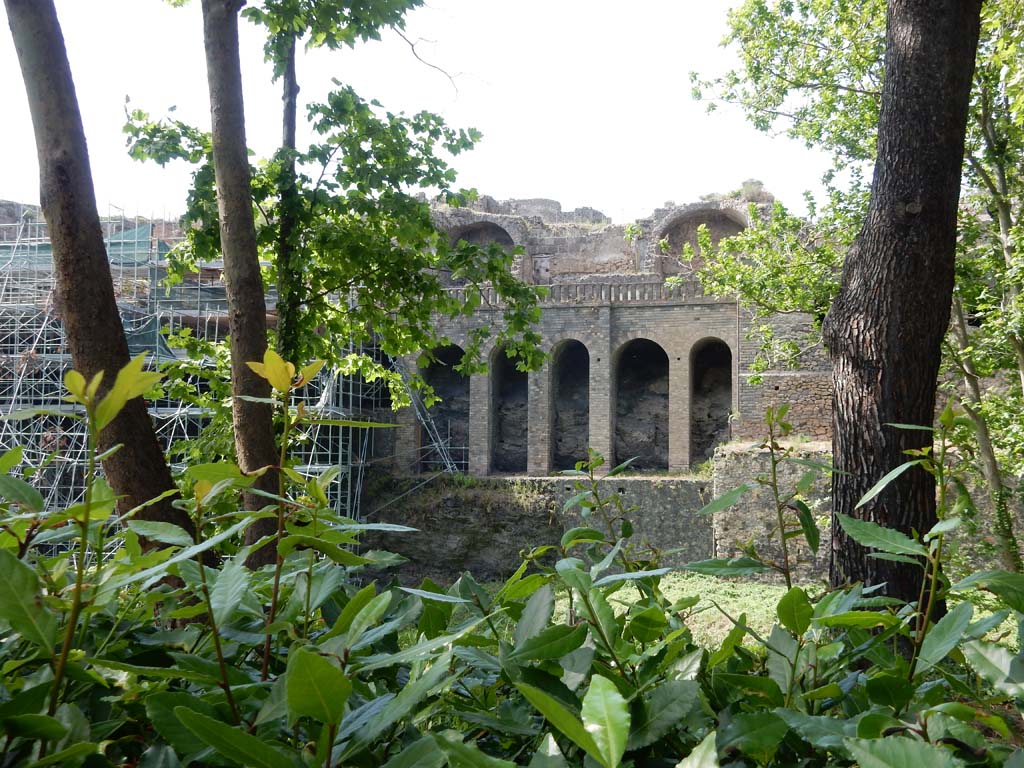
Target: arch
<point x="449" y="417"/>
<point x="641" y="405"/>
<point x="509" y="413"/>
<point x="680" y="229"/>
<point x="482" y="233"/>
<point x="570" y="401"/>
<point x="710" y="397"/>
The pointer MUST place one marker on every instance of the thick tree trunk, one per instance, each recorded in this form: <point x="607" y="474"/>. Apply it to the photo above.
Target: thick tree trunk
<point x="247" y="317"/>
<point x="885" y="329"/>
<point x="85" y="291"/>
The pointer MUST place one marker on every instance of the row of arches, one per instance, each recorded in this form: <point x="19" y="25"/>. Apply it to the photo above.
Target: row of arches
<point x="639" y="409"/>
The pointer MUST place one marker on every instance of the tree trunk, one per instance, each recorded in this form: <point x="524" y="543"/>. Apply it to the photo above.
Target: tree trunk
<point x="247" y="315"/>
<point x="84" y="288"/>
<point x="885" y="329"/>
<point x="290" y="293"/>
<point x="997" y="494"/>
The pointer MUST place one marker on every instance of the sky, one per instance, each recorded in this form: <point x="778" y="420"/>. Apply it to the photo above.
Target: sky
<point x="582" y="101"/>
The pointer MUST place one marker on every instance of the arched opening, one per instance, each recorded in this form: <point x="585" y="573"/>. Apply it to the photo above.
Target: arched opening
<point x="710" y="398"/>
<point x="447" y="427"/>
<point x="683" y="231"/>
<point x="509" y="414"/>
<point x="482" y="234"/>
<point x="570" y="400"/>
<point x="641" y="405"/>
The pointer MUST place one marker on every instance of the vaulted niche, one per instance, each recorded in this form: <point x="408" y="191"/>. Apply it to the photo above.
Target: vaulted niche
<point x="509" y="414"/>
<point x="483" y="233"/>
<point x="570" y="417"/>
<point x="641" y="405"/>
<point x="683" y="231"/>
<point x="710" y="398"/>
<point x="448" y="425"/>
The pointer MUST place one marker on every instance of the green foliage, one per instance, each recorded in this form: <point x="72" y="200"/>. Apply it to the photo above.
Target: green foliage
<point x="168" y="657"/>
<point x="814" y="69"/>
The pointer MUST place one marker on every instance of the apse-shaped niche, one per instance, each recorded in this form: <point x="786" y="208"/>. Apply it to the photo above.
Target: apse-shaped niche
<point x="509" y="414"/>
<point x="641" y="405"/>
<point x="448" y="425"/>
<point x="710" y="398"/>
<point x="570" y="401"/>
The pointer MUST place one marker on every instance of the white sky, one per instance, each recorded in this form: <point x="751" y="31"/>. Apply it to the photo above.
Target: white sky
<point x="583" y="101"/>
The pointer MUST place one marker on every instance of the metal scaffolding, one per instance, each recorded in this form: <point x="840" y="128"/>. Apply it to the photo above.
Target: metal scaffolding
<point x="34" y="358"/>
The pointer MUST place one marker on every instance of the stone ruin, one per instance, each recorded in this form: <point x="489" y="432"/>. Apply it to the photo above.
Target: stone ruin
<point x="637" y="367"/>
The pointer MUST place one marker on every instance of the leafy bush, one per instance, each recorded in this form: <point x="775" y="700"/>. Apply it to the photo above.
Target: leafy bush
<point x="174" y="653"/>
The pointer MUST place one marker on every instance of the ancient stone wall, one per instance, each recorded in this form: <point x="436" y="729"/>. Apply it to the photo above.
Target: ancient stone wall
<point x="607" y="293"/>
<point x="483" y="525"/>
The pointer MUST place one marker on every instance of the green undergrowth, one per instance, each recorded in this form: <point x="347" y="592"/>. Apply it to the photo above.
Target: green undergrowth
<point x="591" y="654"/>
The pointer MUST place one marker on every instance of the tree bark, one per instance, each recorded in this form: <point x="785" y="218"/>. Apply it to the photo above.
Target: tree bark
<point x="885" y="329"/>
<point x="247" y="314"/>
<point x="95" y="336"/>
<point x="290" y="292"/>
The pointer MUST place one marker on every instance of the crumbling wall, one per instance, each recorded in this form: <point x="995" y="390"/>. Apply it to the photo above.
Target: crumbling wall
<point x="510" y="415"/>
<point x="641" y="405"/>
<point x="571" y="402"/>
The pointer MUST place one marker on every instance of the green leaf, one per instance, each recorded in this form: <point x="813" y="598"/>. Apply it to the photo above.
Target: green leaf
<point x="900" y="752"/>
<point x="536" y="615"/>
<point x="561" y="718"/>
<point x="68" y="756"/>
<point x="795" y="610"/>
<point x="462" y="755"/>
<point x="422" y="753"/>
<point x="665" y="709"/>
<point x="158" y="571"/>
<point x="615" y="578"/>
<point x="552" y="643"/>
<point x="21" y="603"/>
<point x="807" y="524"/>
<point x="397" y="708"/>
<point x="606" y="719"/>
<point x="734" y="638"/>
<point x="944" y="636"/>
<point x="704" y="755"/>
<point x="881" y="485"/>
<point x="890" y="690"/>
<point x="726" y="500"/>
<point x="160" y="714"/>
<point x="165" y="533"/>
<point x="315" y="687"/>
<point x="824" y="733"/>
<point x="996" y="665"/>
<point x="234" y="743"/>
<point x="755" y="734"/>
<point x="874" y="536"/>
<point x="859" y="619"/>
<point x="439" y="597"/>
<point x="338" y="554"/>
<point x="131" y="382"/>
<point x="17" y="490"/>
<point x="580" y="536"/>
<point x="10" y="459"/>
<point x="1008" y="587"/>
<point x="548" y="755"/>
<point x="34" y="727"/>
<point x="231" y="587"/>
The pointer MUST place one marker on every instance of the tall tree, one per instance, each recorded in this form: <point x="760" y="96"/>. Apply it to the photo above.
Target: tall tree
<point x="252" y="416"/>
<point x="815" y="69"/>
<point x="88" y="309"/>
<point x="885" y="328"/>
